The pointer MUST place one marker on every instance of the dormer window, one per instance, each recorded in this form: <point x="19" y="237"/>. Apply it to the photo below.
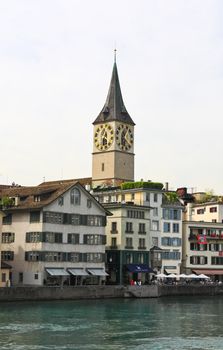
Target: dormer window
<point x="37" y="198"/>
<point x="75" y="196"/>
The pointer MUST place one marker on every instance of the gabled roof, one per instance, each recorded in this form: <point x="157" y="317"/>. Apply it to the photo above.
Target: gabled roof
<point x="48" y="193"/>
<point x="26" y="195"/>
<point x="114" y="108"/>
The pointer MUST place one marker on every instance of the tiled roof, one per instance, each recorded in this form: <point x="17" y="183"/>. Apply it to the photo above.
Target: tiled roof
<point x="83" y="181"/>
<point x="27" y="195"/>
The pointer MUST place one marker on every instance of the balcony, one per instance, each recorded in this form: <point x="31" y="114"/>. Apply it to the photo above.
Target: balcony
<point x="142" y="232"/>
<point x="114" y="231"/>
<point x="142" y="248"/>
<point x="128" y="247"/>
<point x="129" y="231"/>
<point x="211" y="236"/>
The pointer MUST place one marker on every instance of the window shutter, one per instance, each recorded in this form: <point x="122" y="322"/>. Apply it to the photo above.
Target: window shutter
<point x="85" y="239"/>
<point x="104" y="239"/>
<point x="83" y="219"/>
<point x="104" y="220"/>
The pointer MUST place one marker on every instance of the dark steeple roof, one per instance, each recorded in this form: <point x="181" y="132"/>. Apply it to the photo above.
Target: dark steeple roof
<point x="114" y="108"/>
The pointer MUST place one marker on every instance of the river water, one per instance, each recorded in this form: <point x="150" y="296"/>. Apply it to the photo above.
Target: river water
<point x="159" y="324"/>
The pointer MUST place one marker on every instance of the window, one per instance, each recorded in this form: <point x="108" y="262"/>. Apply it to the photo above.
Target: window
<point x="142" y="228"/>
<point x="128" y="243"/>
<point x="60" y="201"/>
<point x="33" y="237"/>
<point x="129" y="258"/>
<point x="3" y="277"/>
<point x="155" y="225"/>
<point x="74" y="257"/>
<point x="176" y="228"/>
<point x="171" y="255"/>
<point x="7" y="255"/>
<point x="171" y="214"/>
<point x="53" y="256"/>
<point x="52" y="237"/>
<point x="133" y="196"/>
<point x="140" y="258"/>
<point x="123" y="198"/>
<point x="75" y="196"/>
<point x="216" y="260"/>
<point x="198" y="247"/>
<point x="94" y="220"/>
<point x="37" y="198"/>
<point x="94" y="239"/>
<point x="32" y="256"/>
<point x="8" y="237"/>
<point x="113" y="242"/>
<point x="176" y="242"/>
<point x="34" y="216"/>
<point x="166" y="227"/>
<point x="128" y="227"/>
<point x="7" y="220"/>
<point x="53" y="217"/>
<point x="73" y="238"/>
<point x="155" y="197"/>
<point x="200" y="211"/>
<point x="94" y="257"/>
<point x="114" y="227"/>
<point x="102" y="166"/>
<point x="137" y="214"/>
<point x="142" y="243"/>
<point x="89" y="203"/>
<point x="75" y="219"/>
<point x="147" y="197"/>
<point x="36" y="276"/>
<point x="213" y="210"/>
<point x="198" y="260"/>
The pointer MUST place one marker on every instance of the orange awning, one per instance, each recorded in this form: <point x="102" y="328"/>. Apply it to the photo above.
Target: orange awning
<point x="208" y="272"/>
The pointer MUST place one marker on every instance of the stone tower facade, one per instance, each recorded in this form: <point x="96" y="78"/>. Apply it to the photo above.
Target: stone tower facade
<point x="113" y="140"/>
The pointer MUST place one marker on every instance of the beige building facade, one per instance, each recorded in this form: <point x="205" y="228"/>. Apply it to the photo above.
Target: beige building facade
<point x="203" y="239"/>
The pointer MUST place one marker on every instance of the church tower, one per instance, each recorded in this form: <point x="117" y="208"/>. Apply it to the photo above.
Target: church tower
<point x="113" y="139"/>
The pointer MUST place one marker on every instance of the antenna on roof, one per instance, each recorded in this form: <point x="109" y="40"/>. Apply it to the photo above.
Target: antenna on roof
<point x="115" y="50"/>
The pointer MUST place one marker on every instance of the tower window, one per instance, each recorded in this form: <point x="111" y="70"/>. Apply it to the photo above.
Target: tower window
<point x="102" y="166"/>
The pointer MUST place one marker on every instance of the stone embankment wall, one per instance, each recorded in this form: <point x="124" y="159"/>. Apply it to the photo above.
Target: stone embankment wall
<point x="105" y="292"/>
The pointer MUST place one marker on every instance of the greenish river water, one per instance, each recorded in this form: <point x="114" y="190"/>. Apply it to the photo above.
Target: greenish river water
<point x="166" y="323"/>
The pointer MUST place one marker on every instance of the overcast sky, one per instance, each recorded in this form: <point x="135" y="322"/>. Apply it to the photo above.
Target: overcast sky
<point x="56" y="59"/>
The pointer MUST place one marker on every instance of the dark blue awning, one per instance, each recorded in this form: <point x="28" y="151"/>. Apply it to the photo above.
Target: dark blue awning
<point x="139" y="268"/>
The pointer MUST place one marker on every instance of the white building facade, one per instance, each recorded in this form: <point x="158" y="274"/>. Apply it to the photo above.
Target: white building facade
<point x="54" y="233"/>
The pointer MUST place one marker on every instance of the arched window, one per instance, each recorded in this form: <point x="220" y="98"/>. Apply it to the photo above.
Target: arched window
<point x="75" y="196"/>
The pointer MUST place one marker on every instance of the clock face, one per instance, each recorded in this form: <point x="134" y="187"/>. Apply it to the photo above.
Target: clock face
<point x="124" y="137"/>
<point x="103" y="137"/>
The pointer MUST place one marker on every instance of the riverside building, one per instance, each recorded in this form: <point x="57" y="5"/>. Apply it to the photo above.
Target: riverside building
<point x="53" y="233"/>
<point x="203" y="236"/>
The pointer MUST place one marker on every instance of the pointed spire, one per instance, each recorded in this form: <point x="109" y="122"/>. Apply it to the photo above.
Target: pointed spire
<point x="114" y="108"/>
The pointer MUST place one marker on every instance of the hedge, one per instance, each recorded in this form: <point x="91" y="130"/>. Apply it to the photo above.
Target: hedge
<point x="142" y="184"/>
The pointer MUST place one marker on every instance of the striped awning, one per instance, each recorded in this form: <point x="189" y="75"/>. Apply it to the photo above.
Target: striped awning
<point x="78" y="272"/>
<point x="57" y="272"/>
<point x="97" y="272"/>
